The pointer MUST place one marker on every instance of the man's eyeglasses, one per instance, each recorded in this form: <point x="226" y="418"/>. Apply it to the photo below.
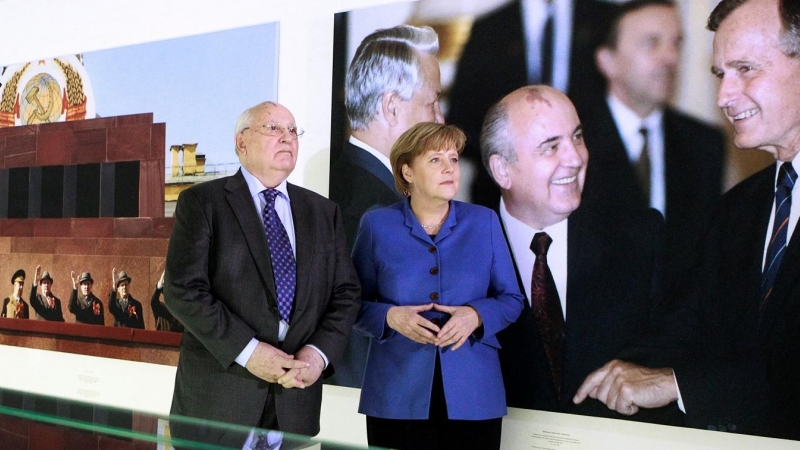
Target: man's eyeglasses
<point x="273" y="129"/>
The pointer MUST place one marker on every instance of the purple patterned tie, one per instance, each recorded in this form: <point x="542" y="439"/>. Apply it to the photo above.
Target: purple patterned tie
<point x="280" y="251"/>
<point x="547" y="309"/>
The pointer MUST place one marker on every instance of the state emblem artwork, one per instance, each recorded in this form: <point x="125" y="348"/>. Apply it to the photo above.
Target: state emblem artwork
<point x="45" y="91"/>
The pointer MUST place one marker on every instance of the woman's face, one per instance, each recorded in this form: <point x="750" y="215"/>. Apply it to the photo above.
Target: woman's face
<point x="434" y="175"/>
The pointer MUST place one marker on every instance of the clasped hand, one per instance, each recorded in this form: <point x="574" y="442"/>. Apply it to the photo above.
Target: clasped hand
<point x="290" y="371"/>
<point x="406" y="320"/>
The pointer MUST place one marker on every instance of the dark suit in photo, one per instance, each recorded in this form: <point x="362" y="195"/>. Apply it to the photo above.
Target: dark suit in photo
<point x="220" y="285"/>
<point x="694" y="155"/>
<point x="131" y="315"/>
<point x="43" y="308"/>
<point x="615" y="303"/>
<point x="359" y="183"/>
<point x="88" y="310"/>
<point x="745" y="371"/>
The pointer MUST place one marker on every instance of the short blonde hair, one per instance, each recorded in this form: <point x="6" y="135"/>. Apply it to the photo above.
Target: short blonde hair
<point x="416" y="141"/>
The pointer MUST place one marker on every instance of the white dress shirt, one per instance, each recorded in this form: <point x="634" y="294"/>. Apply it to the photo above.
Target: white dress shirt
<point x="520" y="236"/>
<point x="534" y="16"/>
<point x="284" y="210"/>
<point x="628" y="125"/>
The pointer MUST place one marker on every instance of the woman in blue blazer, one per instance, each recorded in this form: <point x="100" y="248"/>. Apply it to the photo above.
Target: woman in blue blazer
<point x="438" y="283"/>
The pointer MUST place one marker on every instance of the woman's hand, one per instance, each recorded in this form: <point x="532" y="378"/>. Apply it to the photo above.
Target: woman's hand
<point x="407" y="321"/>
<point x="464" y="320"/>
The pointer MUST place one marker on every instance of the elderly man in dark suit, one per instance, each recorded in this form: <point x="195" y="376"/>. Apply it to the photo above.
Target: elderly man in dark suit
<point x="127" y="311"/>
<point x="524" y="42"/>
<point x="592" y="281"/>
<point x="85" y="305"/>
<point x="645" y="153"/>
<point x="46" y="304"/>
<point x="258" y="271"/>
<point x="742" y="373"/>
<point x="392" y="84"/>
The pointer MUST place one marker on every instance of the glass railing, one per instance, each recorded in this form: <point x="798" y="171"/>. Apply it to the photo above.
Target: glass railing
<point x="35" y="421"/>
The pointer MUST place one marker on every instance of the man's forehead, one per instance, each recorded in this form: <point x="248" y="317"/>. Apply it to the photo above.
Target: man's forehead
<point x="535" y="97"/>
<point x="752" y="18"/>
<point x="533" y="106"/>
<point x="275" y="113"/>
<point x="744" y="41"/>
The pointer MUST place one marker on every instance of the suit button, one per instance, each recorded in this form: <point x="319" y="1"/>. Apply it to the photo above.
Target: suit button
<point x="732" y="427"/>
<point x="434" y="296"/>
<point x="434" y="271"/>
<point x="273" y="309"/>
<point x="432" y="249"/>
<point x="712" y="428"/>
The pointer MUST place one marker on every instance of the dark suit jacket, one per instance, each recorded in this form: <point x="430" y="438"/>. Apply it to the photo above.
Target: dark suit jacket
<point x="694" y="155"/>
<point x="42" y="311"/>
<point x="358" y="183"/>
<point x="87" y="314"/>
<point x="615" y="303"/>
<point x="121" y="316"/>
<point x="493" y="64"/>
<point x="219" y="284"/>
<point x="745" y="371"/>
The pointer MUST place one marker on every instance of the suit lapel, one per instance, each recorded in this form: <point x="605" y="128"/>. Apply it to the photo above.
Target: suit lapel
<point x="252" y="227"/>
<point x="304" y="225"/>
<point x="583" y="252"/>
<point x="789" y="272"/>
<point x="413" y="224"/>
<point x="587" y="261"/>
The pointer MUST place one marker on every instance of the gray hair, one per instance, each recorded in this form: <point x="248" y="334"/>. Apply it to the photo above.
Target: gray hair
<point x="385" y="61"/>
<point x="789" y="11"/>
<point x="494" y="136"/>
<point x="245" y="119"/>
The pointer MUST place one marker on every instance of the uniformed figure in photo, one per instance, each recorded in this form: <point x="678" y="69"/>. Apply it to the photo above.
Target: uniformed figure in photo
<point x="13" y="305"/>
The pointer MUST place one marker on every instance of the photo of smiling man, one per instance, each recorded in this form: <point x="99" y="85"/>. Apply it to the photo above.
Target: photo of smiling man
<point x="591" y="280"/>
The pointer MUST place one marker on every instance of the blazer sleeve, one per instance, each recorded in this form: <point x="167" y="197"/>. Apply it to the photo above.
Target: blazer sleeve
<point x="187" y="289"/>
<point x="120" y="316"/>
<point x="73" y="302"/>
<point x="503" y="303"/>
<point x="59" y="314"/>
<point x="36" y="304"/>
<point x="334" y="327"/>
<point x="371" y="320"/>
<point x="159" y="309"/>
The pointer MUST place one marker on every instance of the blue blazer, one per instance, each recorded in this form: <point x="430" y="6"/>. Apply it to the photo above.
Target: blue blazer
<point x="467" y="263"/>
